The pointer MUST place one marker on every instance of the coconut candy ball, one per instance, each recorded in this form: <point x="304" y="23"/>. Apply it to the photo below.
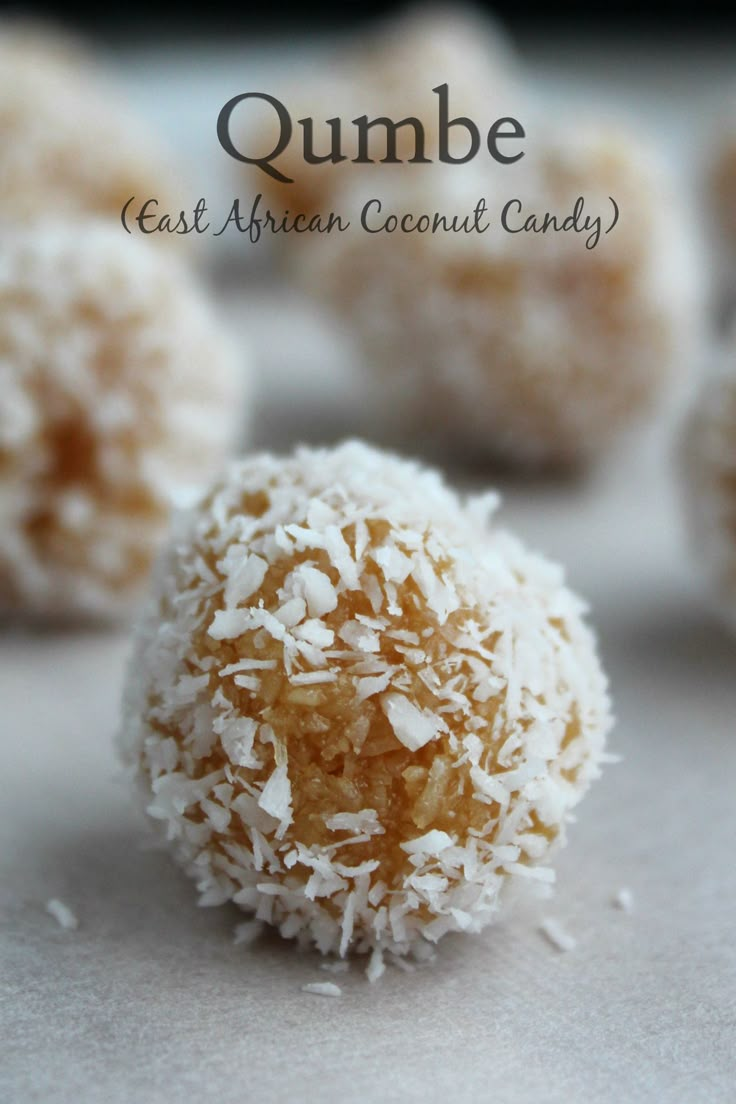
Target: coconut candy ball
<point x="389" y="72"/>
<point x="118" y="393"/>
<point x="722" y="176"/>
<point x="526" y="346"/>
<point x="709" y="468"/>
<point x="68" y="144"/>
<point x="719" y="200"/>
<point x="359" y="708"/>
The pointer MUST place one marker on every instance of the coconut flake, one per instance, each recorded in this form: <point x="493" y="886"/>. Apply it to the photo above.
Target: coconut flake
<point x="292" y="612"/>
<point x="359" y="637"/>
<point x="248" y="682"/>
<point x="229" y="624"/>
<point x="314" y="632"/>
<point x="431" y="843"/>
<point x="367" y="687"/>
<point x="322" y="989"/>
<point x="245" y="580"/>
<point x="394" y="564"/>
<point x="237" y="738"/>
<point x="413" y="727"/>
<point x="624" y="900"/>
<point x="276" y="796"/>
<point x="366" y="821"/>
<point x="376" y="966"/>
<point x="62" y="914"/>
<point x="555" y="934"/>
<point x="247" y="932"/>
<point x="319" y="592"/>
<point x="313" y="678"/>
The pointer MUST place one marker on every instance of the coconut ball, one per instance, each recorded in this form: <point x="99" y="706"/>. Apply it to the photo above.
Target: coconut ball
<point x="721" y="173"/>
<point x="709" y="467"/>
<point x="359" y="708"/>
<point x="723" y="186"/>
<point x="118" y="393"/>
<point x="538" y="346"/>
<point x="719" y="201"/>
<point x="391" y="72"/>
<point x="68" y="144"/>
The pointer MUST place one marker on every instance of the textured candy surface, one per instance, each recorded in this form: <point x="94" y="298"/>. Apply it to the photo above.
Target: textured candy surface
<point x="358" y="708"/>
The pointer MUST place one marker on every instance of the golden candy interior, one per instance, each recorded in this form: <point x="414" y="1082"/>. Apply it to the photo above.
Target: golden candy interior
<point x="343" y="755"/>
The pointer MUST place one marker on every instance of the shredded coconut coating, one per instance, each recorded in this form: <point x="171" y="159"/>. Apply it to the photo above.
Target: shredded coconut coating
<point x="118" y="394"/>
<point x="524" y="346"/>
<point x="68" y="143"/>
<point x="709" y="478"/>
<point x="358" y="708"/>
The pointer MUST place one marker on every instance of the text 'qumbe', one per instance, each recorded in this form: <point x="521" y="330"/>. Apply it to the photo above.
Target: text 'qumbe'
<point x="372" y="140"/>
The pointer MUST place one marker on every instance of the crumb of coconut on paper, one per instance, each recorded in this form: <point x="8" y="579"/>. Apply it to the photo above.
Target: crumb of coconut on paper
<point x="247" y="932"/>
<point x="322" y="989"/>
<point x="557" y="935"/>
<point x="623" y="899"/>
<point x="62" y="914"/>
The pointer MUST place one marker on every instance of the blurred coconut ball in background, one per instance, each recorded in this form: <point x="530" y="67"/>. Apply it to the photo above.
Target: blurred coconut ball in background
<point x="388" y="71"/>
<point x="356" y="706"/>
<point x="708" y="462"/>
<point x="723" y="184"/>
<point x="119" y="394"/>
<point x="720" y="206"/>
<point x="69" y="146"/>
<point x="527" y="347"/>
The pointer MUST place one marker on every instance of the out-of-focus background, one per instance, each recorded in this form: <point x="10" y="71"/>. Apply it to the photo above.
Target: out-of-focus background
<point x="668" y="75"/>
<point x="149" y="1000"/>
<point x="672" y="80"/>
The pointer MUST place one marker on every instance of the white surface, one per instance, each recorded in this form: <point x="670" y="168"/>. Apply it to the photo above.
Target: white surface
<point x="150" y="1000"/>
